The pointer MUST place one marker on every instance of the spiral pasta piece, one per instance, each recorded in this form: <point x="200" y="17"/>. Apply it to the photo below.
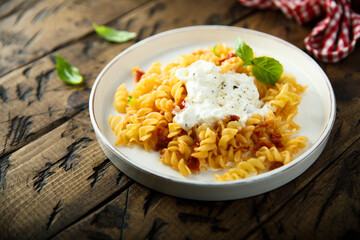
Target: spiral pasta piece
<point x="273" y="154"/>
<point x="173" y="160"/>
<point x="207" y="144"/>
<point x="227" y="135"/>
<point x="294" y="145"/>
<point x="185" y="144"/>
<point x="177" y="89"/>
<point x="164" y="104"/>
<point x="243" y="169"/>
<point x="174" y="129"/>
<point x="121" y="99"/>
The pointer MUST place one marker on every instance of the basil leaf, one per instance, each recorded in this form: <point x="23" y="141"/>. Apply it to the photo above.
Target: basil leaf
<point x="267" y="70"/>
<point x="214" y="51"/>
<point x="67" y="73"/>
<point x="243" y="51"/>
<point x="113" y="35"/>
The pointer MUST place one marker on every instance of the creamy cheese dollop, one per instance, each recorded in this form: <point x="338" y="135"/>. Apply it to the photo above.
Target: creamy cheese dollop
<point x="213" y="95"/>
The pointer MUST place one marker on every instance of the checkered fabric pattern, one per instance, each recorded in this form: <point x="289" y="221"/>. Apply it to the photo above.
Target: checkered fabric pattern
<point x="334" y="37"/>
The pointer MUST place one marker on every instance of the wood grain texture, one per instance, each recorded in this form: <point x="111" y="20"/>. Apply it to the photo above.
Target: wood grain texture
<point x="9" y="7"/>
<point x="50" y="181"/>
<point x="32" y="29"/>
<point x="34" y="90"/>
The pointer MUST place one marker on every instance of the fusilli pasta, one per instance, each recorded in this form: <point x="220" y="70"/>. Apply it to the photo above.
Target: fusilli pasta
<point x="262" y="144"/>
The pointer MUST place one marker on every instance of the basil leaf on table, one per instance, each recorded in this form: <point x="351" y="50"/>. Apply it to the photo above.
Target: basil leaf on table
<point x="266" y="69"/>
<point x="67" y="73"/>
<point x="113" y="35"/>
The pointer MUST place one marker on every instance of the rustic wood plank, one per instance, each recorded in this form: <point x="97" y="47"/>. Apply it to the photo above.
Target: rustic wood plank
<point x="43" y="101"/>
<point x="162" y="216"/>
<point x="278" y="25"/>
<point x="9" y="7"/>
<point x="34" y="30"/>
<point x="55" y="180"/>
<point x="31" y="89"/>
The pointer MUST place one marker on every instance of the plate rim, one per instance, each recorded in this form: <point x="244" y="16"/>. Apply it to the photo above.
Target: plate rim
<point x="258" y="178"/>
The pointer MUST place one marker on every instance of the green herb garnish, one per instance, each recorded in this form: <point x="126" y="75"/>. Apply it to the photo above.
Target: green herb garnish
<point x="113" y="35"/>
<point x="266" y="69"/>
<point x="67" y="73"/>
<point x="214" y="51"/>
<point x="131" y="99"/>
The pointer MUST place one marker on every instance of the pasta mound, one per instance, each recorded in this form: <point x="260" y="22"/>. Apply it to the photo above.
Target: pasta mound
<point x="263" y="144"/>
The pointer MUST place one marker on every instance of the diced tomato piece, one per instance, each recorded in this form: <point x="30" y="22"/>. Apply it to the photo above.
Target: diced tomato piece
<point x="275" y="165"/>
<point x="138" y="75"/>
<point x="194" y="164"/>
<point x="197" y="144"/>
<point x="275" y="138"/>
<point x="182" y="103"/>
<point x="234" y="118"/>
<point x="162" y="141"/>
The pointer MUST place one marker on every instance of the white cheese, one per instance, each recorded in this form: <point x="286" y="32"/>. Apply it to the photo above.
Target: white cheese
<point x="213" y="95"/>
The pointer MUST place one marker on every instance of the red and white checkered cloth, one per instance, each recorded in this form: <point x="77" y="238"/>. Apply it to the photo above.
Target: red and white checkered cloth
<point x="334" y="37"/>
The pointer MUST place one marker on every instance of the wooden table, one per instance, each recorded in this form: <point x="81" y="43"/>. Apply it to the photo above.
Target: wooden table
<point x="55" y="182"/>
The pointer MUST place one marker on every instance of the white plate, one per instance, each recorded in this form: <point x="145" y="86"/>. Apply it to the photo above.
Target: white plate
<point x="316" y="112"/>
